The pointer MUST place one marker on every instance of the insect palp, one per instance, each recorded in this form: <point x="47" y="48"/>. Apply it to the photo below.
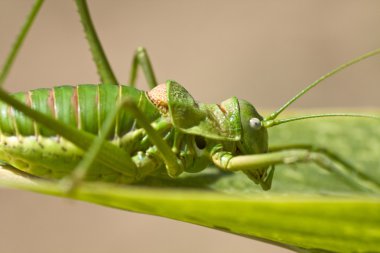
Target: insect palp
<point x="255" y="123"/>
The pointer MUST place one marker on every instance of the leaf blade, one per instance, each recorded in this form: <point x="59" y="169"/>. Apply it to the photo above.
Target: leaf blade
<point x="307" y="208"/>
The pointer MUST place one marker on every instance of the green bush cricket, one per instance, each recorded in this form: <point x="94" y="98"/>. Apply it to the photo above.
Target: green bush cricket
<point x="163" y="132"/>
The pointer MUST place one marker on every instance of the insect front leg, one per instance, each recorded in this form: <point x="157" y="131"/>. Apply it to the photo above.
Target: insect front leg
<point x="291" y="155"/>
<point x="173" y="166"/>
<point x="141" y="58"/>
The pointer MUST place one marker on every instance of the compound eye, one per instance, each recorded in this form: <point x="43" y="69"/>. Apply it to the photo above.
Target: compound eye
<point x="255" y="123"/>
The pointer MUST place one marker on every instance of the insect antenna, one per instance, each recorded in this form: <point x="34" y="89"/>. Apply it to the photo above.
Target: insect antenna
<point x="271" y="119"/>
<point x="274" y="122"/>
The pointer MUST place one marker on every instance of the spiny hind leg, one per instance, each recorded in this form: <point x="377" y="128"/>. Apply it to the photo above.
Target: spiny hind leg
<point x="293" y="154"/>
<point x="19" y="41"/>
<point x="141" y="58"/>
<point x="100" y="59"/>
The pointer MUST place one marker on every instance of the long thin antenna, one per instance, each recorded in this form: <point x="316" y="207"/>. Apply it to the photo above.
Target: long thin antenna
<point x="315" y="83"/>
<point x="274" y="122"/>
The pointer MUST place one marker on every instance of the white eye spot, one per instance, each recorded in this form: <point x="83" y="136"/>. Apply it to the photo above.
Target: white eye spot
<point x="255" y="123"/>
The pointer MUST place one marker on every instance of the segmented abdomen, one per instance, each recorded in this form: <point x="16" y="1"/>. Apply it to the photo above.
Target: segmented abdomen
<point x="82" y="106"/>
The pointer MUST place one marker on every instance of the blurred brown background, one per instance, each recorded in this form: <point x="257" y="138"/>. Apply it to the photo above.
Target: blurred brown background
<point x="262" y="51"/>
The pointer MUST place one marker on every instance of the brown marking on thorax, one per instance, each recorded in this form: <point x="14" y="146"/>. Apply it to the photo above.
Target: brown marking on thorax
<point x="159" y="97"/>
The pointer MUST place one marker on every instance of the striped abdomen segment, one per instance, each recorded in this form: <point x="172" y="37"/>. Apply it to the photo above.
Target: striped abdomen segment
<point x="82" y="106"/>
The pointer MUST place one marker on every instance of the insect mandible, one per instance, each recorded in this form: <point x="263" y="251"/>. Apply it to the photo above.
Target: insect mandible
<point x="115" y="133"/>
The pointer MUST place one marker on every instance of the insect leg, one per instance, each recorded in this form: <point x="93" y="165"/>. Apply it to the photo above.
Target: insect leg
<point x="296" y="154"/>
<point x="104" y="68"/>
<point x="20" y="39"/>
<point x="173" y="167"/>
<point x="346" y="165"/>
<point x="141" y="58"/>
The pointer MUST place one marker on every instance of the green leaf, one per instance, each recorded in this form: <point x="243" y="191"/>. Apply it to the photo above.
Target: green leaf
<point x="307" y="210"/>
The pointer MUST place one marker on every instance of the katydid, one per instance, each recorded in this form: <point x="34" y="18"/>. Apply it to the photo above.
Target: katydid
<point x="131" y="134"/>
